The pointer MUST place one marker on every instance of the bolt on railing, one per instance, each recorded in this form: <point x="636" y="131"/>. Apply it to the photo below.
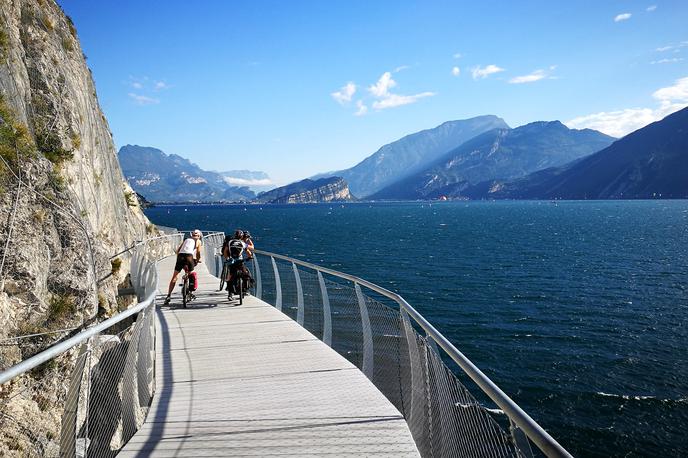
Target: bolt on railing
<point x="400" y="352"/>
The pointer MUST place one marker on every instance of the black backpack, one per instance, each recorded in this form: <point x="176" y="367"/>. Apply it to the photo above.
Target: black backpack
<point x="236" y="247"/>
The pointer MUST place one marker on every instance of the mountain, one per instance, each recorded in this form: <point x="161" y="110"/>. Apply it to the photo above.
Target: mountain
<point x="332" y="189"/>
<point x="499" y="153"/>
<point x="651" y="162"/>
<point x="412" y="153"/>
<point x="170" y="178"/>
<point x="255" y="180"/>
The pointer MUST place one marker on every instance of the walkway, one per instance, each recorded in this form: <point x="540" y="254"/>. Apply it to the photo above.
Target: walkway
<point x="249" y="381"/>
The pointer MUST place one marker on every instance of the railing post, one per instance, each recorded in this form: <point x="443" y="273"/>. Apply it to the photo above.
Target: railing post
<point x="520" y="440"/>
<point x="299" y="295"/>
<point x="327" y="316"/>
<point x="367" y="368"/>
<point x="68" y="432"/>
<point x="278" y="286"/>
<point x="259" y="280"/>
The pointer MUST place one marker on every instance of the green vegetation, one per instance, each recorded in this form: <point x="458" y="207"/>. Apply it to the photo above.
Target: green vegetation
<point x="116" y="265"/>
<point x="72" y="28"/>
<point x="47" y="139"/>
<point x="61" y="306"/>
<point x="57" y="181"/>
<point x="67" y="44"/>
<point x="16" y="143"/>
<point x="47" y="23"/>
<point x="130" y="197"/>
<point x="4" y="43"/>
<point x="76" y="140"/>
<point x="150" y="229"/>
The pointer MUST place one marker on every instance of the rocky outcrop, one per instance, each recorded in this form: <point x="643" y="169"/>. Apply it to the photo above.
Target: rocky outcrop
<point x="333" y="189"/>
<point x="65" y="208"/>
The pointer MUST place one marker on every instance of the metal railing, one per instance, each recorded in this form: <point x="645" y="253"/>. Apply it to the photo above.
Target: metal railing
<point x="400" y="352"/>
<point x="88" y="395"/>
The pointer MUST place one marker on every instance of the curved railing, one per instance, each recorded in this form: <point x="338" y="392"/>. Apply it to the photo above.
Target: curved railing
<point x="401" y="353"/>
<point x="89" y="394"/>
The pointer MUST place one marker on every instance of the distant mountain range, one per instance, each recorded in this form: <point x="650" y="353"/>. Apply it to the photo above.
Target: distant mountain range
<point x="412" y="153"/>
<point x="331" y="189"/>
<point x="163" y="178"/>
<point x="499" y="153"/>
<point x="651" y="162"/>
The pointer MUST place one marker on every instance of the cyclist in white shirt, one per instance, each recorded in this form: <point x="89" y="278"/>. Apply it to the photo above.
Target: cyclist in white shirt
<point x="188" y="255"/>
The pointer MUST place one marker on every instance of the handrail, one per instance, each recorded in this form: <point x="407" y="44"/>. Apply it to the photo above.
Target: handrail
<point x="58" y="349"/>
<point x="66" y="345"/>
<point x="534" y="431"/>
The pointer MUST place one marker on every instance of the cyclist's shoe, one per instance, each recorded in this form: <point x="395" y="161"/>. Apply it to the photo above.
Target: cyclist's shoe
<point x="230" y="297"/>
<point x="192" y="296"/>
<point x="167" y="301"/>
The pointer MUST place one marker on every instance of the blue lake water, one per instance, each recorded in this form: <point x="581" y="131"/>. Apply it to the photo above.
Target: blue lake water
<point x="577" y="310"/>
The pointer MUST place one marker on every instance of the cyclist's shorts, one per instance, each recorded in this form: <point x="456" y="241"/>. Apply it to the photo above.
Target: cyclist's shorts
<point x="184" y="260"/>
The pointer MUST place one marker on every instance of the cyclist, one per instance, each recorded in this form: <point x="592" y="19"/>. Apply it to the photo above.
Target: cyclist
<point x="249" y="244"/>
<point x="188" y="255"/>
<point x="234" y="251"/>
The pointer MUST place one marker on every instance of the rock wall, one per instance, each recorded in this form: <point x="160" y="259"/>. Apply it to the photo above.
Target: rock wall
<point x="65" y="209"/>
<point x="333" y="189"/>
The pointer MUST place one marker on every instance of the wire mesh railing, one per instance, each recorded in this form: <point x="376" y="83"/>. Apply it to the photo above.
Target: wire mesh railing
<point x="401" y="353"/>
<point x="86" y="396"/>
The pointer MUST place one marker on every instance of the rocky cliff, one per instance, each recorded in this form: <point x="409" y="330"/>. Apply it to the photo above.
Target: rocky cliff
<point x="65" y="207"/>
<point x="333" y="189"/>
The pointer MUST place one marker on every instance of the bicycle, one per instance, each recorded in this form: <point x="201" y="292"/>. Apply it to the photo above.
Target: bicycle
<point x="225" y="272"/>
<point x="238" y="278"/>
<point x="187" y="295"/>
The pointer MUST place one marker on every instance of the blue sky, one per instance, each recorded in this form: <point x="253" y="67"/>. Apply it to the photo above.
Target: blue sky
<point x="300" y="87"/>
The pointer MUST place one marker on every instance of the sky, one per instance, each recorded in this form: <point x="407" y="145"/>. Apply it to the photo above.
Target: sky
<point x="302" y="87"/>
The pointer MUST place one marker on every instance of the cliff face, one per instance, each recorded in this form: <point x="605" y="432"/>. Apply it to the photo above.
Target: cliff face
<point x="333" y="189"/>
<point x="64" y="209"/>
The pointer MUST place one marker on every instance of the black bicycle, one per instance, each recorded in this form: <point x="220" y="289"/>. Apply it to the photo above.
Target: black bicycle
<point x="187" y="295"/>
<point x="238" y="278"/>
<point x="223" y="276"/>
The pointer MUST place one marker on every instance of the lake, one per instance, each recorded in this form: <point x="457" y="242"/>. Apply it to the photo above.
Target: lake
<point x="577" y="310"/>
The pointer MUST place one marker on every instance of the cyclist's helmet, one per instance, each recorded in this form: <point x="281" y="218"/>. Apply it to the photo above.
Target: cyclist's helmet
<point x="247" y="235"/>
<point x="196" y="232"/>
<point x="238" y="234"/>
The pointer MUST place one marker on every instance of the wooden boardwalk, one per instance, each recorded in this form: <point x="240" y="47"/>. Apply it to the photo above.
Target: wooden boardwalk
<point x="248" y="381"/>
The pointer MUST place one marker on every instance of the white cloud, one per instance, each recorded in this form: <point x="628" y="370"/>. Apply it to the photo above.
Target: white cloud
<point x="622" y="17"/>
<point x="161" y="85"/>
<point x="457" y="55"/>
<point x="483" y="72"/>
<point x="396" y="100"/>
<point x="362" y="108"/>
<point x="456" y="71"/>
<point x="136" y="85"/>
<point x="248" y="181"/>
<point x="667" y="61"/>
<point x="381" y="91"/>
<point x="139" y="99"/>
<point x="383" y="85"/>
<point x="537" y="75"/>
<point x="401" y="68"/>
<point x="651" y="8"/>
<point x="344" y="95"/>
<point x="621" y="122"/>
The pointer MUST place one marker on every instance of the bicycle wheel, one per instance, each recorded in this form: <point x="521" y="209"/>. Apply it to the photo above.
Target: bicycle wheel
<point x="223" y="275"/>
<point x="185" y="290"/>
<point x="241" y="290"/>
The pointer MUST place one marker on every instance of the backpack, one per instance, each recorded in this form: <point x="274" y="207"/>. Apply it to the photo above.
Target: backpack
<point x="236" y="247"/>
